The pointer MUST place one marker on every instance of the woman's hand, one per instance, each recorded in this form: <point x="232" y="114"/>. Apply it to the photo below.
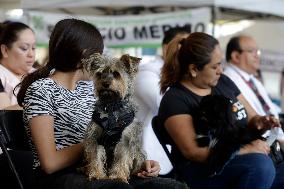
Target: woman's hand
<point x="264" y="122"/>
<point x="150" y="168"/>
<point x="256" y="146"/>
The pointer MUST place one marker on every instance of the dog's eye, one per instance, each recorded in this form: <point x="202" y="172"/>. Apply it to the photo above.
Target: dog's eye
<point x="98" y="74"/>
<point x="116" y="74"/>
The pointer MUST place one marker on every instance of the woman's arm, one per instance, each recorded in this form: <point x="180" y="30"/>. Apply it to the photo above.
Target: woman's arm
<point x="255" y="120"/>
<point x="181" y="130"/>
<point x="257" y="146"/>
<point x="51" y="160"/>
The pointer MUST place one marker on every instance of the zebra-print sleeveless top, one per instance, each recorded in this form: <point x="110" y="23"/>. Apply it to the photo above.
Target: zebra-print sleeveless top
<point x="71" y="110"/>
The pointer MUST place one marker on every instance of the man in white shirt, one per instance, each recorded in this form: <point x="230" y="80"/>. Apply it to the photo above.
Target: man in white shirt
<point x="148" y="97"/>
<point x="243" y="57"/>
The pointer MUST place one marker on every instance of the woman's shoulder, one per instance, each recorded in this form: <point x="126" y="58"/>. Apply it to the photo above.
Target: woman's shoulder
<point x="178" y="90"/>
<point x="85" y="87"/>
<point x="3" y="70"/>
<point x="43" y="82"/>
<point x="225" y="81"/>
<point x="41" y="85"/>
<point x="174" y="91"/>
<point x="7" y="76"/>
<point x="178" y="95"/>
<point x="85" y="84"/>
<point x="178" y="100"/>
<point x="227" y="87"/>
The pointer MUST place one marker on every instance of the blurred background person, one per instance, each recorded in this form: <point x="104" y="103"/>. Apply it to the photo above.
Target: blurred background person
<point x="259" y="76"/>
<point x="148" y="97"/>
<point x="243" y="57"/>
<point x="4" y="99"/>
<point x="282" y="91"/>
<point x="17" y="57"/>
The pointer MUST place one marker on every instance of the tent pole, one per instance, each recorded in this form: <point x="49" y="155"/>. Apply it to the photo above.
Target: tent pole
<point x="213" y="19"/>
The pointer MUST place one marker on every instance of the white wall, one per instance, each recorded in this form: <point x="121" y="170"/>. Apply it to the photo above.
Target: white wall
<point x="268" y="34"/>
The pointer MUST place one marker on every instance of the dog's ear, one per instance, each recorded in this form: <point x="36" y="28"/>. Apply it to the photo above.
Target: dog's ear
<point x="92" y="63"/>
<point x="130" y="63"/>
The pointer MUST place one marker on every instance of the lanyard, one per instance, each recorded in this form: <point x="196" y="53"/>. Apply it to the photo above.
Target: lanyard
<point x="253" y="87"/>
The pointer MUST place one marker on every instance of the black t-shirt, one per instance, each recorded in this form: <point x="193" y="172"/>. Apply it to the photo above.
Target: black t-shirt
<point x="180" y="100"/>
<point x="1" y="87"/>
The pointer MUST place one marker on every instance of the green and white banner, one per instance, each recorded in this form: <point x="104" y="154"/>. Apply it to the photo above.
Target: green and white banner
<point x="126" y="31"/>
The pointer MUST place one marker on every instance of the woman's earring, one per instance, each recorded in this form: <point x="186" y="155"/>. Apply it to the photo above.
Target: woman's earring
<point x="193" y="75"/>
<point x="51" y="72"/>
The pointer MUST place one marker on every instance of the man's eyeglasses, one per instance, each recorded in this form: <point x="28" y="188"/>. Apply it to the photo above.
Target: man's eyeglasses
<point x="252" y="51"/>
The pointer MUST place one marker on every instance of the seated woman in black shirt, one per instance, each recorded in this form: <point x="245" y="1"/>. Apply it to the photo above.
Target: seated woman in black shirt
<point x="191" y="71"/>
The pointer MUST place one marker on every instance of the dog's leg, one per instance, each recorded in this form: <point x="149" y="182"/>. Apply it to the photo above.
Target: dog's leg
<point x="95" y="154"/>
<point x="138" y="152"/>
<point x="138" y="161"/>
<point x="122" y="163"/>
<point x="126" y="153"/>
<point x="97" y="163"/>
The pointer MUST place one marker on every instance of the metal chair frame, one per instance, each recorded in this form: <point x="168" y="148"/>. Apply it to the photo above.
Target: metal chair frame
<point x="13" y="137"/>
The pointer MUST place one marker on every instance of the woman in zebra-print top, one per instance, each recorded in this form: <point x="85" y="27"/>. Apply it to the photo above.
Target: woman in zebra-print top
<point x="58" y="100"/>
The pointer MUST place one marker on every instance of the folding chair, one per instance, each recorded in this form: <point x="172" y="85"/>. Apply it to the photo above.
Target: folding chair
<point x="163" y="137"/>
<point x="15" y="147"/>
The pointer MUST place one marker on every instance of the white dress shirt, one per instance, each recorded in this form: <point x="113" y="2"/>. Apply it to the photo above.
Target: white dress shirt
<point x="238" y="76"/>
<point x="148" y="98"/>
<point x="9" y="81"/>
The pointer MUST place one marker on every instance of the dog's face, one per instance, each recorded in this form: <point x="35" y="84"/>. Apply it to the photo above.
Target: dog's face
<point x="113" y="77"/>
<point x="216" y="114"/>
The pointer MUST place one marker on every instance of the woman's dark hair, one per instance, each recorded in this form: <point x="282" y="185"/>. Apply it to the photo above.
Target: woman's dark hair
<point x="233" y="45"/>
<point x="70" y="41"/>
<point x="9" y="33"/>
<point x="196" y="49"/>
<point x="174" y="31"/>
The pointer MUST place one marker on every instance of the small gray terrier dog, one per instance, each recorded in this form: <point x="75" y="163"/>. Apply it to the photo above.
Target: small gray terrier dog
<point x="113" y="140"/>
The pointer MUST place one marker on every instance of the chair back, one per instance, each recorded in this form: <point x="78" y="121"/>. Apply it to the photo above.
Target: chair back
<point x="13" y="129"/>
<point x="16" y="150"/>
<point x="162" y="136"/>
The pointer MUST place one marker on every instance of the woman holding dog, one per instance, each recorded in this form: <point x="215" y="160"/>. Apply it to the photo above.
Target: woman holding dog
<point x="58" y="101"/>
<point x="191" y="71"/>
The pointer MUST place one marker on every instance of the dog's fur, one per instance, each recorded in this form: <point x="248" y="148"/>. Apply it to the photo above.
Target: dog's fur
<point x="113" y="141"/>
<point x="217" y="119"/>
